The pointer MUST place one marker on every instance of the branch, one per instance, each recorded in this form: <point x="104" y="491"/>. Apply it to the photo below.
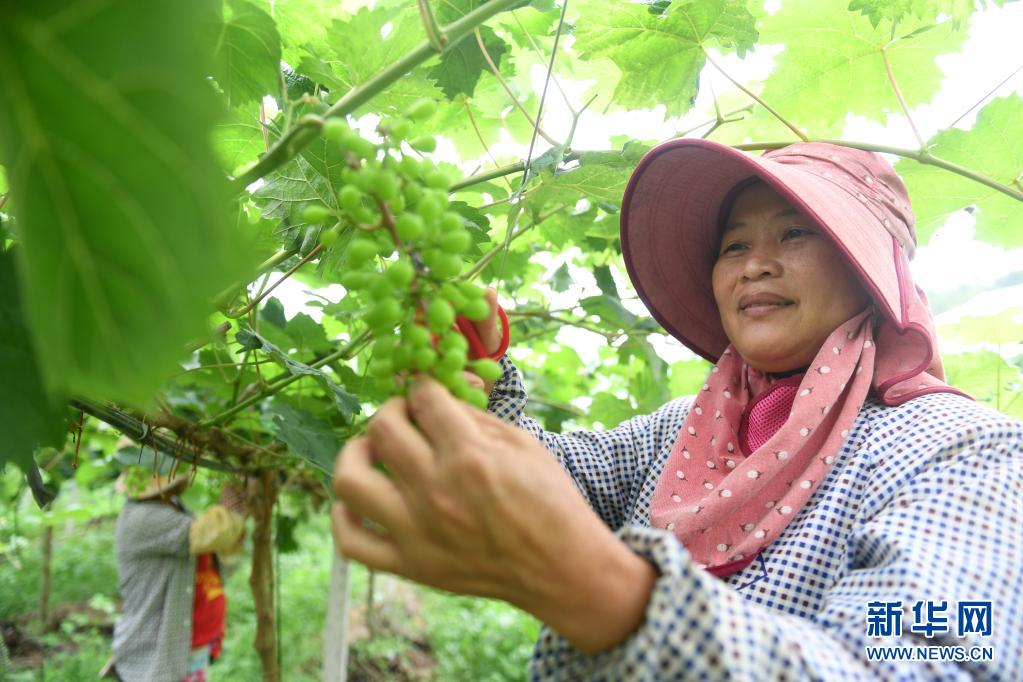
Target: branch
<point x="920" y="156"/>
<point x="902" y="102"/>
<point x="283" y="381"/>
<point x="514" y="99"/>
<point x="308" y="128"/>
<point x="799" y="133"/>
<point x="235" y="314"/>
<point x="142" y="432"/>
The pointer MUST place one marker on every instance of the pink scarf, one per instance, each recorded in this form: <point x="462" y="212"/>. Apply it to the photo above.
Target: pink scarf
<point x="726" y="505"/>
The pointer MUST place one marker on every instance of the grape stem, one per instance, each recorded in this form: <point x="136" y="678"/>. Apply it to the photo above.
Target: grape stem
<point x="234" y="315"/>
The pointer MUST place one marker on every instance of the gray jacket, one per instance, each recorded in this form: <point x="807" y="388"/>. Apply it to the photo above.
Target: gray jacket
<point x="156" y="576"/>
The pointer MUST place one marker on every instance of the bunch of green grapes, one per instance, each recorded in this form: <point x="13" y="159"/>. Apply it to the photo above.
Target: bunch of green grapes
<point x="406" y="258"/>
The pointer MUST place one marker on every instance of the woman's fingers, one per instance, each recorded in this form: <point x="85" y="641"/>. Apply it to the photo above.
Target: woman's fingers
<point x="397" y="443"/>
<point x="443" y="419"/>
<point x="474" y="380"/>
<point x="364" y="489"/>
<point x="362" y="544"/>
<point x="487" y="328"/>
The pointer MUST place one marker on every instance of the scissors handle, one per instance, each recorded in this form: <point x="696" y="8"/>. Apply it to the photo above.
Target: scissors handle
<point x="476" y="348"/>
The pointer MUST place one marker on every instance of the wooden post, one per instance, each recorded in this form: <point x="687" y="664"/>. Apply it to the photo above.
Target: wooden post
<point x="46" y="573"/>
<point x="335" y="633"/>
<point x="263" y="495"/>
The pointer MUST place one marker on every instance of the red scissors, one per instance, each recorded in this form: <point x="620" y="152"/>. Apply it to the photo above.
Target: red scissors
<point x="476" y="349"/>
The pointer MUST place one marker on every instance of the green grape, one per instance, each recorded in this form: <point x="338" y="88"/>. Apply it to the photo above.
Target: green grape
<point x="424" y="358"/>
<point x="448" y="379"/>
<point x="399" y="129"/>
<point x="445" y="265"/>
<point x="384" y="185"/>
<point x="356" y="279"/>
<point x="453" y="342"/>
<point x="402" y="358"/>
<point x="437" y="180"/>
<point x="429" y="208"/>
<point x="383" y="314"/>
<point x="440" y="315"/>
<point x="330" y="236"/>
<point x="487" y="369"/>
<point x="409" y="167"/>
<point x="409" y="227"/>
<point x="381" y="288"/>
<point x="450" y="292"/>
<point x="310" y="238"/>
<point x="416" y="334"/>
<point x="384" y="348"/>
<point x="361" y="250"/>
<point x="335" y="130"/>
<point x="364" y="149"/>
<point x="349" y="197"/>
<point x="451" y="362"/>
<point x="366" y="216"/>
<point x="421" y="109"/>
<point x="470" y="290"/>
<point x="315" y="213"/>
<point x="381" y="367"/>
<point x="477" y="398"/>
<point x="424" y="143"/>
<point x="400" y="274"/>
<point x="397" y="204"/>
<point x="412" y="191"/>
<point x="450" y="222"/>
<point x="456" y="242"/>
<point x="477" y="309"/>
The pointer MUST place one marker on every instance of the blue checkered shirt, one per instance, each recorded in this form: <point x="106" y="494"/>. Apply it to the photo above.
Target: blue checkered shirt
<point x="923" y="504"/>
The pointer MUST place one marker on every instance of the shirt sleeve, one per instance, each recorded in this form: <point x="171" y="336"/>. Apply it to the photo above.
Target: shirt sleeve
<point x="609" y="467"/>
<point x="954" y="533"/>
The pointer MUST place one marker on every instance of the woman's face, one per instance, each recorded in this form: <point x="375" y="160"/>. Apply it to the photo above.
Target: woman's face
<point x="781" y="286"/>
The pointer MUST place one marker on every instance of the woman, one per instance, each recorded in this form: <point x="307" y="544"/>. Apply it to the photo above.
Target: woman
<point x="824" y="493"/>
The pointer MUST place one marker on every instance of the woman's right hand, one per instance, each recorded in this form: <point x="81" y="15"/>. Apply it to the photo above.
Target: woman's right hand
<point x="490" y="334"/>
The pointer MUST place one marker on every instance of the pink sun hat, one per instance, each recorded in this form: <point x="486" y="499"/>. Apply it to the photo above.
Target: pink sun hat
<point x="674" y="207"/>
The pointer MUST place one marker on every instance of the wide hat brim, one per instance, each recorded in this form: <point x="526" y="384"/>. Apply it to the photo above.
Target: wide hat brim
<point x="670" y="223"/>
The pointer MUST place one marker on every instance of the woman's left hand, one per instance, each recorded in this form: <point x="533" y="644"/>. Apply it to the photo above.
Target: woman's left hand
<point x="477" y="506"/>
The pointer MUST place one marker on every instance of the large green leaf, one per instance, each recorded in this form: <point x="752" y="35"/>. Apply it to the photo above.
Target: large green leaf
<point x="993" y="147"/>
<point x="29" y="417"/>
<point x="461" y="65"/>
<point x="358" y="49"/>
<point x="121" y="209"/>
<point x="238" y="139"/>
<point x="660" y="57"/>
<point x="248" y="53"/>
<point x="987" y="377"/>
<point x="306" y="435"/>
<point x="832" y="63"/>
<point x="347" y="404"/>
<point x="1002" y="328"/>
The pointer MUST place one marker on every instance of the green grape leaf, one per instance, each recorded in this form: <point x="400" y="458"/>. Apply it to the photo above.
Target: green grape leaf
<point x="606" y="282"/>
<point x="610" y="410"/>
<point x="248" y="53"/>
<point x="562" y="279"/>
<point x="987" y="377"/>
<point x="602" y="183"/>
<point x="661" y="57"/>
<point x="306" y="435"/>
<point x="347" y="404"/>
<point x="461" y="65"/>
<point x="1003" y="328"/>
<point x="355" y="65"/>
<point x="238" y="139"/>
<point x="994" y="148"/>
<point x="29" y="417"/>
<point x="286" y="192"/>
<point x="687" y="377"/>
<point x="121" y="207"/>
<point x="829" y="50"/>
<point x="895" y="11"/>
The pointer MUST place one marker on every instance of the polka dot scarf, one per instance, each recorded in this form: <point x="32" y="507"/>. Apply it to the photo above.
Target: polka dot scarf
<point x="725" y="504"/>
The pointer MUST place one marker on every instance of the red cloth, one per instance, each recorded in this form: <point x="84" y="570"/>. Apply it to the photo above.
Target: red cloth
<point x="767" y="413"/>
<point x="209" y="609"/>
